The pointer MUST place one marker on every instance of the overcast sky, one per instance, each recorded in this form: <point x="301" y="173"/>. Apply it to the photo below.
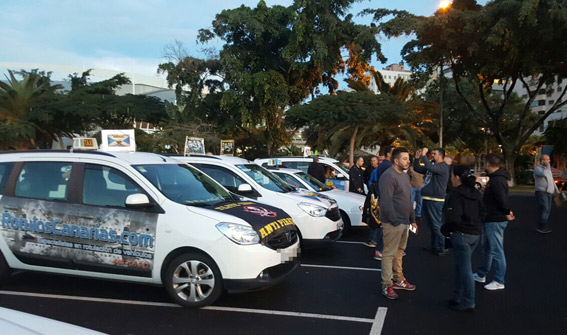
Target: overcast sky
<point x="130" y="35"/>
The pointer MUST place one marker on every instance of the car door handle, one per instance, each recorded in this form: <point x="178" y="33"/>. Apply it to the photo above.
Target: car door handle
<point x="11" y="208"/>
<point x="85" y="217"/>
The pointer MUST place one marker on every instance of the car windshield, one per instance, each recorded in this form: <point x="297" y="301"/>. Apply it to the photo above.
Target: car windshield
<point x="184" y="184"/>
<point x="265" y="178"/>
<point x="314" y="183"/>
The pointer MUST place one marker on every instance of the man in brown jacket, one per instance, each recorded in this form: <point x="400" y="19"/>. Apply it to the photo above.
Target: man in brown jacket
<point x="416" y="182"/>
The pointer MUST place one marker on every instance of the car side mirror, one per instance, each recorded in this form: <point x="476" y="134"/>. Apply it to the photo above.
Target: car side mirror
<point x="245" y="188"/>
<point x="138" y="200"/>
<point x="340" y="176"/>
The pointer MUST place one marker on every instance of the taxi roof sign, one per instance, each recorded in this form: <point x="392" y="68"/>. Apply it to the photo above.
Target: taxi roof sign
<point x="118" y="140"/>
<point x="85" y="143"/>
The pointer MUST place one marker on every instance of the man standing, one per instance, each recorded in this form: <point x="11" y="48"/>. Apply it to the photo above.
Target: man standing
<point x="497" y="216"/>
<point x="385" y="165"/>
<point x="433" y="194"/>
<point x="544" y="189"/>
<point x="396" y="214"/>
<point x="372" y="167"/>
<point x="356" y="179"/>
<point x="317" y="170"/>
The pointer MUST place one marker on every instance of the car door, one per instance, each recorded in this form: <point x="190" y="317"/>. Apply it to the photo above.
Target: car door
<point x="74" y="216"/>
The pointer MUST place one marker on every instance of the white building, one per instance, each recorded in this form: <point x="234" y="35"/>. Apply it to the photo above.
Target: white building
<point x="390" y="74"/>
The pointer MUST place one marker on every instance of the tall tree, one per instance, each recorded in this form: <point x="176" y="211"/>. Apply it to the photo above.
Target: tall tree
<point x="487" y="45"/>
<point x="359" y="114"/>
<point x="276" y="57"/>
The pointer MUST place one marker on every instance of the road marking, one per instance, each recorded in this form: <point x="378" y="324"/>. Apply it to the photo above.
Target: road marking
<point x="379" y="319"/>
<point x="211" y="308"/>
<point x="339" y="267"/>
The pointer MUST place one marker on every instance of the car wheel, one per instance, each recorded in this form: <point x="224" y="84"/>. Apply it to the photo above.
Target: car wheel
<point x="346" y="221"/>
<point x="4" y="269"/>
<point x="193" y="280"/>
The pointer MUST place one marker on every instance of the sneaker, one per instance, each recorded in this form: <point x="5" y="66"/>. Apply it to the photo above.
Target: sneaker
<point x="403" y="285"/>
<point x="478" y="278"/>
<point x="494" y="285"/>
<point x="390" y="293"/>
<point x="378" y="255"/>
<point x="454" y="302"/>
<point x="441" y="252"/>
<point x="543" y="231"/>
<point x="370" y="244"/>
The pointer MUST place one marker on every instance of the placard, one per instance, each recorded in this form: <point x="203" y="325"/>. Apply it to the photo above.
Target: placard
<point x="118" y="140"/>
<point x="227" y="147"/>
<point x="194" y="145"/>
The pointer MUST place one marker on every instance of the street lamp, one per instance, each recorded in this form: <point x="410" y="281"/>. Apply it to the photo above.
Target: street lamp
<point x="445" y="4"/>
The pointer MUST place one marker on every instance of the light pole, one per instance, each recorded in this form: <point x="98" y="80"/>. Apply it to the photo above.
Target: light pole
<point x="443" y="6"/>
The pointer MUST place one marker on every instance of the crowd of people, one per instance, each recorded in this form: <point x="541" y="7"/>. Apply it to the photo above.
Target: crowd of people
<point x="460" y="213"/>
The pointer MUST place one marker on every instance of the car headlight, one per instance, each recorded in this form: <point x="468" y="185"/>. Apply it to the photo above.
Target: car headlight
<point x="311" y="209"/>
<point x="238" y="233"/>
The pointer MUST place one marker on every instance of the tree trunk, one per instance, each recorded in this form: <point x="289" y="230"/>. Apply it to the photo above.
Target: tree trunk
<point x="352" y="141"/>
<point x="510" y="166"/>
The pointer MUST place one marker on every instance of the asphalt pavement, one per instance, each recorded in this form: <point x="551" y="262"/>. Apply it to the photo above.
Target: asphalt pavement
<point x="335" y="291"/>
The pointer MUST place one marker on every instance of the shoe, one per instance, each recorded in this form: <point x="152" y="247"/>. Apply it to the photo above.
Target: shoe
<point x="494" y="285"/>
<point x="478" y="278"/>
<point x="370" y="244"/>
<point x="454" y="302"/>
<point x="403" y="285"/>
<point x="460" y="308"/>
<point x="390" y="293"/>
<point x="543" y="231"/>
<point x="378" y="255"/>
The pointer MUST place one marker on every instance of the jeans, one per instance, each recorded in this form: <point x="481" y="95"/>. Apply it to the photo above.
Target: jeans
<point x="544" y="200"/>
<point x="416" y="197"/>
<point x="377" y="235"/>
<point x="493" y="250"/>
<point x="395" y="242"/>
<point x="463" y="248"/>
<point x="433" y="212"/>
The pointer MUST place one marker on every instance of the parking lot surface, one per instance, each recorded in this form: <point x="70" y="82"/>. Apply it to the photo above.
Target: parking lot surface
<point x="335" y="291"/>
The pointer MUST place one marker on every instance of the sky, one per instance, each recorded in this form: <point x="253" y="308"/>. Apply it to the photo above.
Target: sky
<point x="130" y="35"/>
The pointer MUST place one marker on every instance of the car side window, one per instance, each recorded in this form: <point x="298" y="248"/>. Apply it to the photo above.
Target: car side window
<point x="106" y="186"/>
<point x="44" y="180"/>
<point x="5" y="169"/>
<point x="223" y="176"/>
<point x="334" y="172"/>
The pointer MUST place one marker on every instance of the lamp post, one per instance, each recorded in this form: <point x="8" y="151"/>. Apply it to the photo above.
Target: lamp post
<point x="443" y="6"/>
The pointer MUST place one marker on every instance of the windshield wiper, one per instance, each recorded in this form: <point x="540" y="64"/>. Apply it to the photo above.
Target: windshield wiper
<point x="199" y="204"/>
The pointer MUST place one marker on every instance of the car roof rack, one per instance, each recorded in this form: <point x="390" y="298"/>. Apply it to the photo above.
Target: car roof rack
<point x="57" y="151"/>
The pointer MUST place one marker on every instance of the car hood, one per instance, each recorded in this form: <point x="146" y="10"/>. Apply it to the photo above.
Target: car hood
<point x="16" y="322"/>
<point x="310" y="197"/>
<point x="346" y="195"/>
<point x="264" y="219"/>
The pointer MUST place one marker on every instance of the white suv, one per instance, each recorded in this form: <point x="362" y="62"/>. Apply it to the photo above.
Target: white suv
<point x="317" y="216"/>
<point x="138" y="217"/>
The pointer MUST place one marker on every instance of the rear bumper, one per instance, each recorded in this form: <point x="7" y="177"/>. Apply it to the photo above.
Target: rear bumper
<point x="269" y="277"/>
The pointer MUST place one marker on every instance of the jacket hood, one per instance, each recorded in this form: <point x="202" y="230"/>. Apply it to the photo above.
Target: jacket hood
<point x="468" y="192"/>
<point x="501" y="173"/>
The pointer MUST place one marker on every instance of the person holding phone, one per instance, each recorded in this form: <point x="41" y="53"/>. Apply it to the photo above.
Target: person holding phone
<point x="464" y="212"/>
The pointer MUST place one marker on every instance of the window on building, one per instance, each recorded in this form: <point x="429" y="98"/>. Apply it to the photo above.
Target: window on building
<point x="541" y="102"/>
<point x="541" y="91"/>
<point x="44" y="180"/>
<point x="551" y="102"/>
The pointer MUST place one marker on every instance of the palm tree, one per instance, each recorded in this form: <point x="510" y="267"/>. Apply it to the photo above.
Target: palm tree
<point x="16" y="102"/>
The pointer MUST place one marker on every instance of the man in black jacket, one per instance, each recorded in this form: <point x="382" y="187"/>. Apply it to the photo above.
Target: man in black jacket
<point x="498" y="214"/>
<point x="317" y="170"/>
<point x="356" y="178"/>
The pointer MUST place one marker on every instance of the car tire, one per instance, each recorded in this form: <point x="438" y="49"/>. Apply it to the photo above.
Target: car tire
<point x="346" y="221"/>
<point x="4" y="269"/>
<point x="193" y="280"/>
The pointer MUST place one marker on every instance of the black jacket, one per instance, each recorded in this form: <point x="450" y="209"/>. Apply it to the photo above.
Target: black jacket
<point x="356" y="180"/>
<point x="317" y="171"/>
<point x="464" y="212"/>
<point x="496" y="196"/>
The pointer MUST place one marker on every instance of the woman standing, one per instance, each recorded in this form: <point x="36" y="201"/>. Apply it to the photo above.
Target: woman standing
<point x="464" y="212"/>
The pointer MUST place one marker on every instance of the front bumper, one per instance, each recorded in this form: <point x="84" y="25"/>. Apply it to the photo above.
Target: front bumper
<point x="267" y="278"/>
<point x="329" y="238"/>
